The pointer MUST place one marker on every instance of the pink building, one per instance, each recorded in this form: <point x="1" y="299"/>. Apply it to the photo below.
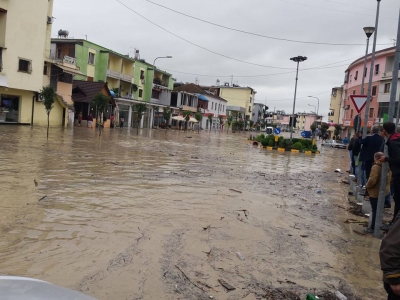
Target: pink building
<point x="381" y="79"/>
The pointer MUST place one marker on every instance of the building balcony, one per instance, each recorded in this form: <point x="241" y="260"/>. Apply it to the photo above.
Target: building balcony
<point x="158" y="82"/>
<point x="388" y="75"/>
<point x="119" y="75"/>
<point x="126" y="78"/>
<point x="68" y="60"/>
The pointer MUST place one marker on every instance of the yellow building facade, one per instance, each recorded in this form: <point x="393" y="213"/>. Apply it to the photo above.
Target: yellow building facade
<point x="335" y="105"/>
<point x="239" y="97"/>
<point x="23" y="71"/>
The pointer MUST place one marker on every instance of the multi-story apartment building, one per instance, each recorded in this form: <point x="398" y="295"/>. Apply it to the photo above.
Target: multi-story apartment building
<point x="335" y="105"/>
<point x="381" y="85"/>
<point x="240" y="99"/>
<point x="259" y="112"/>
<point x="25" y="64"/>
<point x="132" y="80"/>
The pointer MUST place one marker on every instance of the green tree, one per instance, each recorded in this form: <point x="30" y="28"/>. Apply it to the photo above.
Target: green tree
<point x="100" y="102"/>
<point x="49" y="95"/>
<point x="324" y="128"/>
<point x="199" y="118"/>
<point x="338" y="130"/>
<point x="139" y="109"/>
<point x="229" y="122"/>
<point x="166" y="116"/>
<point x="221" y="120"/>
<point x="186" y="114"/>
<point x="210" y="119"/>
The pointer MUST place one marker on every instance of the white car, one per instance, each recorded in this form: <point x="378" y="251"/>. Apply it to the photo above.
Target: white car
<point x="334" y="144"/>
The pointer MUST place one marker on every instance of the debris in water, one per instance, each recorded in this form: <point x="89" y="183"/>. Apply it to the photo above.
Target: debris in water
<point x="36" y="183"/>
<point x="340" y="296"/>
<point x="42" y="198"/>
<point x="233" y="190"/>
<point x="238" y="254"/>
<point x="188" y="137"/>
<point x="319" y="192"/>
<point x="338" y="171"/>
<point x="226" y="285"/>
<point x="304" y="235"/>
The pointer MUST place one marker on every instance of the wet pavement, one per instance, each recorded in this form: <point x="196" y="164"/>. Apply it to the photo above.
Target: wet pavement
<point x="162" y="215"/>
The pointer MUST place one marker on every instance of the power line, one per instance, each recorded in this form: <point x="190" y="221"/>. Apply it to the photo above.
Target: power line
<point x="252" y="33"/>
<point x="338" y="10"/>
<point x="201" y="47"/>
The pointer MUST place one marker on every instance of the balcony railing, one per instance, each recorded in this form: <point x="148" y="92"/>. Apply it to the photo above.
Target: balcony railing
<point x="388" y="75"/>
<point x="113" y="74"/>
<point x="65" y="60"/>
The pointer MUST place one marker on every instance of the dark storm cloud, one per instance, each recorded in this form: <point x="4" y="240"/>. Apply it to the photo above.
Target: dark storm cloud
<point x="112" y="25"/>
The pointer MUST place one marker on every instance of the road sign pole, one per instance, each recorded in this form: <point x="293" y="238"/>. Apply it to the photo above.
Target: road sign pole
<point x="385" y="168"/>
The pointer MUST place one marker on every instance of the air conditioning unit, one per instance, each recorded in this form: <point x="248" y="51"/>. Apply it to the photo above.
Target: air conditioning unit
<point x="39" y="97"/>
<point x="143" y="81"/>
<point x="49" y="20"/>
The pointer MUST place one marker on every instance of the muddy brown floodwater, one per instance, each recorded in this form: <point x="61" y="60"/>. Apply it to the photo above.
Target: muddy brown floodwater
<point x="163" y="215"/>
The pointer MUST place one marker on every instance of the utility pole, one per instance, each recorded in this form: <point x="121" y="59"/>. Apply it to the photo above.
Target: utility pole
<point x="385" y="167"/>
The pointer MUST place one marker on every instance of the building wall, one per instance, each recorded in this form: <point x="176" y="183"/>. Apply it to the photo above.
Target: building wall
<point x="26" y="20"/>
<point x="238" y="97"/>
<point x="65" y="91"/>
<point x="336" y="100"/>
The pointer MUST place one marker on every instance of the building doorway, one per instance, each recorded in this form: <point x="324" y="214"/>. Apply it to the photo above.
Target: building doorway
<point x="9" y="109"/>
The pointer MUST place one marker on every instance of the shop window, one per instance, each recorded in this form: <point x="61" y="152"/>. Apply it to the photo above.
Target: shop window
<point x="10" y="108"/>
<point x="387" y="88"/>
<point x="24" y="65"/>
<point x="91" y="58"/>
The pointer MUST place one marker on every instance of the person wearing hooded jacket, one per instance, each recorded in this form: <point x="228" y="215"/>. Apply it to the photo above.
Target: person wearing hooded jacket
<point x="393" y="158"/>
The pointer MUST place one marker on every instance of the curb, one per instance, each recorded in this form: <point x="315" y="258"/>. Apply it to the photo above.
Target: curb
<point x="291" y="150"/>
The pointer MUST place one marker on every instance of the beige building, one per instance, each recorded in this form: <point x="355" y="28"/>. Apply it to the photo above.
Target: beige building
<point x="335" y="106"/>
<point x="240" y="99"/>
<point x="25" y="33"/>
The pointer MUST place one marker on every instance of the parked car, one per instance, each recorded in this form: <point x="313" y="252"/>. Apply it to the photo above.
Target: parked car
<point x="334" y="144"/>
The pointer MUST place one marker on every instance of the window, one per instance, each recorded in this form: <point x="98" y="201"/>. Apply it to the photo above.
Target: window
<point x="24" y="66"/>
<point x="141" y="74"/>
<point x="376" y="69"/>
<point x="354" y="92"/>
<point x="351" y="114"/>
<point x="365" y="72"/>
<point x="249" y="108"/>
<point x="212" y="105"/>
<point x="45" y="69"/>
<point x="140" y="93"/>
<point x="387" y="88"/>
<point x="250" y="100"/>
<point x="371" y="112"/>
<point x="356" y="76"/>
<point x="91" y="58"/>
<point x="374" y="90"/>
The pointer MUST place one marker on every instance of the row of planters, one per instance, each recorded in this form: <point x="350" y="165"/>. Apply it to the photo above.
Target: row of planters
<point x="296" y="144"/>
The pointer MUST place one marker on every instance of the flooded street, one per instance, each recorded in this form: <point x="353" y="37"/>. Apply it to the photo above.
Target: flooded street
<point x="162" y="215"/>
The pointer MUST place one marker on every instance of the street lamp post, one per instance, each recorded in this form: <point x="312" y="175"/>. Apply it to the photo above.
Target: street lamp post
<point x="151" y="89"/>
<point x="314" y="108"/>
<point x="317" y="107"/>
<point x="296" y="59"/>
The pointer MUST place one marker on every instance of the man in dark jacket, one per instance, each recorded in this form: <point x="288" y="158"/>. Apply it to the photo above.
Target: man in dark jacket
<point x="393" y="143"/>
<point x="370" y="145"/>
<point x="390" y="261"/>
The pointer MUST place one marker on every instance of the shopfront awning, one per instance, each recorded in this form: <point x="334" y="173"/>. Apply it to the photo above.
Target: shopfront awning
<point x="178" y="118"/>
<point x="202" y="97"/>
<point x="193" y="120"/>
<point x="71" y="71"/>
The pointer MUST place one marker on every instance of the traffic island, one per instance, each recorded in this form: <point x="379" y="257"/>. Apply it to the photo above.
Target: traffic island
<point x="280" y="144"/>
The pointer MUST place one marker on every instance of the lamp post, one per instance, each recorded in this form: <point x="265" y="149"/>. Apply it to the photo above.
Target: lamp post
<point x="296" y="59"/>
<point x="314" y="108"/>
<point x="151" y="89"/>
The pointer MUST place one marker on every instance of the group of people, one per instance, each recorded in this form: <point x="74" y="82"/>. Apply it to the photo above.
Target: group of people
<point x="367" y="159"/>
<point x="90" y="121"/>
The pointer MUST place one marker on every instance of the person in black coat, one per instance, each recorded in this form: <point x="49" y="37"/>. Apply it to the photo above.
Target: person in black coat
<point x="370" y="145"/>
<point x="393" y="158"/>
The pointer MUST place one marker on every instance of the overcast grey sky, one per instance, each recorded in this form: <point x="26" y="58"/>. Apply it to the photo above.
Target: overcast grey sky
<point x="113" y="25"/>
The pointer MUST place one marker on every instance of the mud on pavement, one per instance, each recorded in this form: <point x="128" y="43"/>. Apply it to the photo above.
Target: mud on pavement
<point x="160" y="216"/>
